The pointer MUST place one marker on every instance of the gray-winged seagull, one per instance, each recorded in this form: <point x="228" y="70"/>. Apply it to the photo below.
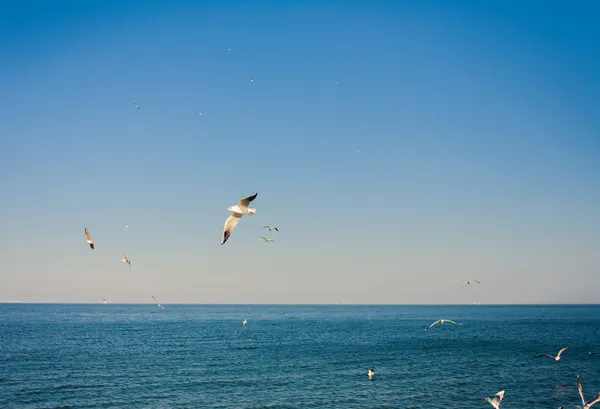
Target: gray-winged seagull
<point x="557" y="357"/>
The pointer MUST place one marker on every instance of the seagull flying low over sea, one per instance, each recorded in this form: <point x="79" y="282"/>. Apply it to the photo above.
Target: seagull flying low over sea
<point x="157" y="303"/>
<point x="126" y="261"/>
<point x="497" y="399"/>
<point x="443" y="322"/>
<point x="244" y="322"/>
<point x="271" y="228"/>
<point x="589" y="403"/>
<point x="557" y="357"/>
<point x="469" y="282"/>
<point x="104" y="301"/>
<point x="89" y="238"/>
<point x="237" y="212"/>
<point x="266" y="239"/>
<point x="371" y="373"/>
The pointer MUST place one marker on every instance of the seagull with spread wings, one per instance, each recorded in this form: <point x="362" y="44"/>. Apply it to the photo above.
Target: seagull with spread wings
<point x="497" y="399"/>
<point x="89" y="238"/>
<point x="126" y="261"/>
<point x="271" y="228"/>
<point x="157" y="303"/>
<point x="443" y="322"/>
<point x="557" y="357"/>
<point x="237" y="212"/>
<point x="469" y="282"/>
<point x="586" y="404"/>
<point x="267" y="240"/>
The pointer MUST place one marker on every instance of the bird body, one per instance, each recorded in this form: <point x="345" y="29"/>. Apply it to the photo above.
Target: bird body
<point x="271" y="228"/>
<point x="89" y="238"/>
<point x="497" y="399"/>
<point x="371" y="373"/>
<point x="126" y="261"/>
<point x="237" y="212"/>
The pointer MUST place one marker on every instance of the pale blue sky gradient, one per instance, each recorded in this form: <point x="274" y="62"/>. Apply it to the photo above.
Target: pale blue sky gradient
<point x="477" y="123"/>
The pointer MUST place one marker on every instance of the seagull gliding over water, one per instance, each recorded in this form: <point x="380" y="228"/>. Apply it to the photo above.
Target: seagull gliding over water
<point x="557" y="357"/>
<point x="443" y="322"/>
<point x="237" y="212"/>
<point x="497" y="399"/>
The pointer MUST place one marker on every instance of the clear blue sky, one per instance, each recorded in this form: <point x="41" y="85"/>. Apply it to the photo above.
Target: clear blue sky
<point x="463" y="141"/>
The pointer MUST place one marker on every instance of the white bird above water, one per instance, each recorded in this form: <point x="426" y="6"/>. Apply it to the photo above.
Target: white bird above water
<point x="497" y="399"/>
<point x="371" y="373"/>
<point x="469" y="282"/>
<point x="589" y="403"/>
<point x="157" y="303"/>
<point x="557" y="357"/>
<point x="443" y="322"/>
<point x="237" y="212"/>
<point x="244" y="322"/>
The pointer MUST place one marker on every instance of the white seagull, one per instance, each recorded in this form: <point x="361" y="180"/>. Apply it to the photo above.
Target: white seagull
<point x="252" y="80"/>
<point x="271" y="228"/>
<point x="469" y="282"/>
<point x="104" y="301"/>
<point x="136" y="105"/>
<point x="557" y="357"/>
<point x="266" y="239"/>
<point x="371" y="373"/>
<point x="589" y="403"/>
<point x="497" y="399"/>
<point x="237" y="212"/>
<point x="443" y="322"/>
<point x="89" y="238"/>
<point x="244" y="322"/>
<point x="157" y="303"/>
<point x="126" y="261"/>
<point x="337" y="83"/>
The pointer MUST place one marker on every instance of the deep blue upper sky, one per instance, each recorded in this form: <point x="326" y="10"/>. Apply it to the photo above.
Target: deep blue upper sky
<point x="463" y="141"/>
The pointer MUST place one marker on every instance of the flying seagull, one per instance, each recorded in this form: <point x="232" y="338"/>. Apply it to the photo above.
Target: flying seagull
<point x="252" y="80"/>
<point x="244" y="322"/>
<point x="371" y="373"/>
<point x="589" y="403"/>
<point x="557" y="357"/>
<point x="157" y="303"/>
<point x="89" y="238"/>
<point x="267" y="240"/>
<point x="271" y="228"/>
<point x="497" y="399"/>
<point x="337" y="83"/>
<point x="104" y="301"/>
<point x="443" y="322"/>
<point x="237" y="212"/>
<point x="126" y="261"/>
<point x="469" y="282"/>
<point x="136" y="105"/>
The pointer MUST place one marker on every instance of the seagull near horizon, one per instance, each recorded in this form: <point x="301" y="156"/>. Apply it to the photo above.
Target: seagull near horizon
<point x="271" y="228"/>
<point x="157" y="303"/>
<point x="89" y="238"/>
<point x="469" y="282"/>
<point x="237" y="212"/>
<point x="589" y="403"/>
<point x="104" y="301"/>
<point x="267" y="240"/>
<point x="497" y="399"/>
<point x="557" y="357"/>
<point x="371" y="373"/>
<point x="126" y="261"/>
<point x="443" y="322"/>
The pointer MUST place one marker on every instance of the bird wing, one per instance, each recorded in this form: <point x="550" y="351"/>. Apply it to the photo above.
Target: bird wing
<point x="275" y="228"/>
<point x="452" y="322"/>
<point x="230" y="224"/>
<point x="548" y="355"/>
<point x="87" y="234"/>
<point x="264" y="238"/>
<point x="580" y="389"/>
<point x="498" y="398"/>
<point x="245" y="202"/>
<point x="437" y="322"/>
<point x="592" y="401"/>
<point x="477" y="281"/>
<point x="563" y="350"/>
<point x="268" y="227"/>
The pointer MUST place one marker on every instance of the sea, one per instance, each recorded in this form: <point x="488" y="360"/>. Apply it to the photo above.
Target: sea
<point x="295" y="356"/>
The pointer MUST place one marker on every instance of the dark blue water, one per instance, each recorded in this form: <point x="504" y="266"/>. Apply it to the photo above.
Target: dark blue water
<point x="139" y="356"/>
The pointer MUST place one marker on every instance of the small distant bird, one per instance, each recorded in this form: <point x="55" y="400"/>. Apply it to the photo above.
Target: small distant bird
<point x="371" y="373"/>
<point x="247" y="293"/>
<point x="244" y="322"/>
<point x="237" y="212"/>
<point x="443" y="322"/>
<point x="337" y="83"/>
<point x="271" y="228"/>
<point x="104" y="301"/>
<point x="229" y="49"/>
<point x="89" y="238"/>
<point x="469" y="282"/>
<point x="126" y="226"/>
<point x="200" y="113"/>
<point x="126" y="261"/>
<point x="157" y="303"/>
<point x="592" y="353"/>
<point x="136" y="105"/>
<point x="252" y="80"/>
<point x="266" y="239"/>
<point x="557" y="357"/>
<point x="589" y="403"/>
<point x="497" y="399"/>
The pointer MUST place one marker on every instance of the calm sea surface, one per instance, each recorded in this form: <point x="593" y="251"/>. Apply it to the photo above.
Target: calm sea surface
<point x="200" y="356"/>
